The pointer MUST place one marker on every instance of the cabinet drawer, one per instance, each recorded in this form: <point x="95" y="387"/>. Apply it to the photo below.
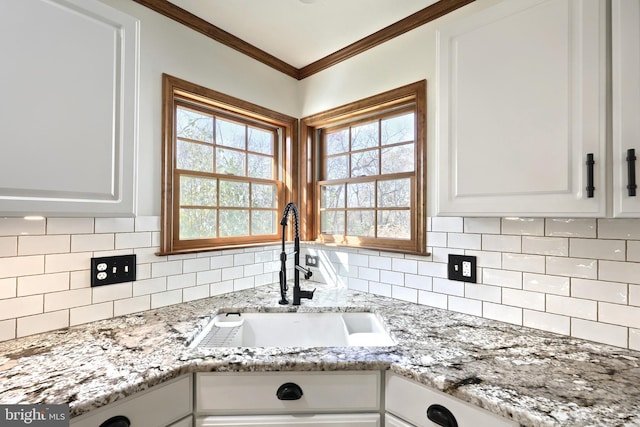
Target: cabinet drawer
<point x="333" y="420"/>
<point x="159" y="406"/>
<point x="255" y="393"/>
<point x="409" y="400"/>
<point x="391" y="421"/>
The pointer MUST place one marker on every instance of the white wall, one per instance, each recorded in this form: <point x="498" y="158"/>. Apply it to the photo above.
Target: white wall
<point x="169" y="47"/>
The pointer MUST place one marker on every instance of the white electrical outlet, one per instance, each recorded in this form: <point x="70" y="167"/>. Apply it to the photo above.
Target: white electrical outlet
<point x="466" y="268"/>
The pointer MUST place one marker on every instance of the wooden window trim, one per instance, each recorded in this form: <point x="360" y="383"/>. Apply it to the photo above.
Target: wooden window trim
<point x="309" y="167"/>
<point x="175" y="90"/>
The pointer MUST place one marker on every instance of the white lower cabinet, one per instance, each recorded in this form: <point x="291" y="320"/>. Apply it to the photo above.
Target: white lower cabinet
<point x="169" y="404"/>
<point x="408" y="402"/>
<point x="336" y="398"/>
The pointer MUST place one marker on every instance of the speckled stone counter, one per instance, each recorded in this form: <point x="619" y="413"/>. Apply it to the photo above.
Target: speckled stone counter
<point x="532" y="377"/>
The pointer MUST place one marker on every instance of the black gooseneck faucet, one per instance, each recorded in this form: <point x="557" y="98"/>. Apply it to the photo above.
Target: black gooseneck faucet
<point x="298" y="293"/>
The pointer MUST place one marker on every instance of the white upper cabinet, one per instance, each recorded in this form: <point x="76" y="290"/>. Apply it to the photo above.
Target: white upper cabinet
<point x="625" y="78"/>
<point x="521" y="104"/>
<point x="69" y="109"/>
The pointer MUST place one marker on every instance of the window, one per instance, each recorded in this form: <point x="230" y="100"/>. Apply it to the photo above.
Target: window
<point x="366" y="174"/>
<point x="224" y="176"/>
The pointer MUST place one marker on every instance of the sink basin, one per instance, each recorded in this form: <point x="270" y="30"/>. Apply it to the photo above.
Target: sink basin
<point x="327" y="329"/>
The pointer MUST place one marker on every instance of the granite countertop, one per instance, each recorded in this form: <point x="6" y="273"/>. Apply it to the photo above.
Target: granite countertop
<point x="532" y="377"/>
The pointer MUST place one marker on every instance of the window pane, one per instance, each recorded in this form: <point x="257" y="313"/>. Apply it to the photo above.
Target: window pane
<point x="332" y="196"/>
<point x="234" y="194"/>
<point x="364" y="136"/>
<point x="197" y="223"/>
<point x="263" y="222"/>
<point x="337" y="167"/>
<point x="394" y="224"/>
<point x="260" y="166"/>
<point x="234" y="222"/>
<point x="263" y="196"/>
<point x="398" y="129"/>
<point x="360" y="223"/>
<point x="260" y="141"/>
<point x="361" y="195"/>
<point x="194" y="157"/>
<point x="230" y="134"/>
<point x="197" y="191"/>
<point x="394" y="193"/>
<point x="230" y="162"/>
<point x="364" y="163"/>
<point x="337" y="142"/>
<point x="397" y="159"/>
<point x="332" y="222"/>
<point x="192" y="125"/>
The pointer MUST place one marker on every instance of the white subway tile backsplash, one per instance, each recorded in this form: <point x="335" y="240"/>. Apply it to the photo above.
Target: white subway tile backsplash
<point x="618" y="314"/>
<point x="131" y="305"/>
<point x="547" y="322"/>
<point x="415" y="281"/>
<point x="507" y="279"/>
<point x="373" y="274"/>
<point x="405" y="265"/>
<point x="546" y="284"/>
<point x="20" y="226"/>
<point x="114" y="225"/>
<point x="487" y="259"/>
<point x="634" y="295"/>
<point x="8" y="246"/>
<point x="572" y="267"/>
<point x="163" y="299"/>
<point x="600" y="332"/>
<point x="112" y="292"/>
<point x="253" y="269"/>
<point x="523" y="262"/>
<point x="464" y="305"/>
<point x="574" y="307"/>
<point x="599" y="290"/>
<point x="614" y="271"/>
<point x="42" y="322"/>
<point x="220" y="288"/>
<point x="432" y="299"/>
<point x="482" y="225"/>
<point x="378" y="288"/>
<point x="619" y="229"/>
<point x="90" y="313"/>
<point x="147" y="223"/>
<point x="79" y="279"/>
<point x="8" y="288"/>
<point x="92" y="242"/>
<point x="55" y="263"/>
<point x="483" y="292"/>
<point x="447" y="224"/>
<point x="70" y="225"/>
<point x="449" y="287"/>
<point x="133" y="240"/>
<point x="381" y="262"/>
<point x="524" y="299"/>
<point x="465" y="241"/>
<point x="503" y="313"/>
<point x="634" y="338"/>
<point x="571" y="227"/>
<point x="405" y="294"/>
<point x="243" y="283"/>
<point x="232" y="273"/>
<point x="523" y="226"/>
<point x="167" y="268"/>
<point x="358" y="284"/>
<point x="436" y="239"/>
<point x="633" y="250"/>
<point x="42" y="284"/>
<point x="180" y="281"/>
<point x="557" y="246"/>
<point x="21" y="306"/>
<point x="194" y="293"/>
<point x="598" y="248"/>
<point x="432" y="269"/>
<point x="149" y="286"/>
<point x="21" y="266"/>
<point x="208" y="277"/>
<point x="39" y="245"/>
<point x="390" y="277"/>
<point x="501" y="243"/>
<point x="55" y="301"/>
<point x="7" y="329"/>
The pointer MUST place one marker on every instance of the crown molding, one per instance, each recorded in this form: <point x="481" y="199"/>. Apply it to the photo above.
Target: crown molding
<point x="396" y="29"/>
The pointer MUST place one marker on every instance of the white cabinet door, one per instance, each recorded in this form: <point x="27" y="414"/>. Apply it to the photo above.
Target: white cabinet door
<point x="521" y="102"/>
<point x="69" y="108"/>
<point x="625" y="79"/>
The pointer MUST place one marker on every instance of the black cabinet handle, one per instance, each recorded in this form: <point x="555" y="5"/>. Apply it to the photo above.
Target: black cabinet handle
<point x="289" y="391"/>
<point x="117" y="421"/>
<point x="441" y="416"/>
<point x="590" y="163"/>
<point x="631" y="172"/>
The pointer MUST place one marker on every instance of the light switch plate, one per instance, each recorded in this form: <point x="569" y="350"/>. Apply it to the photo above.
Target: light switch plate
<point x="113" y="269"/>
<point x="462" y="268"/>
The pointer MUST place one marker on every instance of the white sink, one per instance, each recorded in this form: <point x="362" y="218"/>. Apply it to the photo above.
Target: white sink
<point x="327" y="329"/>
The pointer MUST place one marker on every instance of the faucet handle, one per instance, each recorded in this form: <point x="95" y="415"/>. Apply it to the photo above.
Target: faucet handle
<point x="307" y="294"/>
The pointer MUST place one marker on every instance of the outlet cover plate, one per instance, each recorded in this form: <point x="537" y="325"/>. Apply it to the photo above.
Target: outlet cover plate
<point x="462" y="268"/>
<point x="311" y="260"/>
<point x="113" y="269"/>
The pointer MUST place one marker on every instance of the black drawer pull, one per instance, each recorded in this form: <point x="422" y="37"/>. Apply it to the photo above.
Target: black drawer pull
<point x="289" y="391"/>
<point x="117" y="421"/>
<point x="441" y="416"/>
<point x="631" y="172"/>
<point x="590" y="187"/>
